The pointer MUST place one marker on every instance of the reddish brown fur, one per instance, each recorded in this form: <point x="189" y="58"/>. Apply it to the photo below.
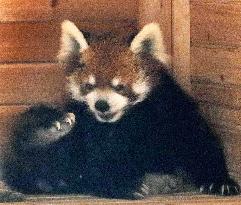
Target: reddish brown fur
<point x="106" y="60"/>
<point x="109" y="59"/>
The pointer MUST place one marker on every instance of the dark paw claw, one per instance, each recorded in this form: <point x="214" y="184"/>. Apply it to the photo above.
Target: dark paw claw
<point x="65" y="123"/>
<point x="228" y="188"/>
<point x="142" y="193"/>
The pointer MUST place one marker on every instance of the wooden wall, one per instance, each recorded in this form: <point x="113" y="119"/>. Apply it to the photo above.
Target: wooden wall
<point x="216" y="70"/>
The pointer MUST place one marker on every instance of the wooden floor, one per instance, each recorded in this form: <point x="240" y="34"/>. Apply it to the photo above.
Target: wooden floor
<point x="179" y="199"/>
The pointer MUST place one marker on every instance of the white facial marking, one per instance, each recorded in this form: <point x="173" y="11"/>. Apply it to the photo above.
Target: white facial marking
<point x="116" y="81"/>
<point x="92" y="80"/>
<point x="141" y="88"/>
<point x="74" y="89"/>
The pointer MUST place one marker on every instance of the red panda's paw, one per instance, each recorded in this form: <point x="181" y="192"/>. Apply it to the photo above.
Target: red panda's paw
<point x="227" y="188"/>
<point x="59" y="129"/>
<point x="160" y="183"/>
<point x="65" y="124"/>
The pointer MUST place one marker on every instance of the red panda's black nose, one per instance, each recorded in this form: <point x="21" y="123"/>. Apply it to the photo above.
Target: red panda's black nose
<point x="102" y="106"/>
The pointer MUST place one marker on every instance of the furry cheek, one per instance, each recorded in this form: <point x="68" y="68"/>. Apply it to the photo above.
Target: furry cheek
<point x="117" y="101"/>
<point x="142" y="89"/>
<point x="74" y="89"/>
<point x="91" y="99"/>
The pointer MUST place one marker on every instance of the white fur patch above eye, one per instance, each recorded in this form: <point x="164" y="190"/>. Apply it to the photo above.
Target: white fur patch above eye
<point x="116" y="81"/>
<point x="92" y="80"/>
<point x="151" y="37"/>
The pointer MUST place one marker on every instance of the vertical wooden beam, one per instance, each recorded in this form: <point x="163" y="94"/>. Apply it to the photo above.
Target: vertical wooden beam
<point x="157" y="11"/>
<point x="181" y="42"/>
<point x="174" y="18"/>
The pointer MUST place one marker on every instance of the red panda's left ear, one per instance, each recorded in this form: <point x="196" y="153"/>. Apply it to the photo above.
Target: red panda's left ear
<point x="73" y="42"/>
<point x="150" y="40"/>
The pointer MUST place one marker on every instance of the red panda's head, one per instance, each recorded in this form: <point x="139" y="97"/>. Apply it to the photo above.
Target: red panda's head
<point x="110" y="77"/>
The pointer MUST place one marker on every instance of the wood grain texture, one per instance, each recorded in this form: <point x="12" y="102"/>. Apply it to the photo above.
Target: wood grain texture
<point x="178" y="199"/>
<point x="216" y="64"/>
<point x="31" y="83"/>
<point x="29" y="41"/>
<point x="181" y="43"/>
<point x="85" y="10"/>
<point x="97" y="10"/>
<point x="222" y="95"/>
<point x="216" y="22"/>
<point x="221" y="116"/>
<point x="25" y="10"/>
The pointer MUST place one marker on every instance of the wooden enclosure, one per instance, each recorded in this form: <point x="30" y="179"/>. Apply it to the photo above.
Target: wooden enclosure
<point x="202" y="36"/>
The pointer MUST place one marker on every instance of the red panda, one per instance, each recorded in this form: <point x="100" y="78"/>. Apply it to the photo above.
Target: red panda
<point x="127" y="118"/>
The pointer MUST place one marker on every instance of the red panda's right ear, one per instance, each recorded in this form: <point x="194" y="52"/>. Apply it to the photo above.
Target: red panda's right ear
<point x="73" y="43"/>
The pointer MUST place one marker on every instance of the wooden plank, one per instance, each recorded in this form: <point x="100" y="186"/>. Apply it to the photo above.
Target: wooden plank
<point x="216" y="22"/>
<point x="219" y="115"/>
<point x="166" y="23"/>
<point x="221" y="95"/>
<point x="97" y="10"/>
<point x="85" y="10"/>
<point x="31" y="83"/>
<point x="214" y="1"/>
<point x="25" y="10"/>
<point x="39" y="42"/>
<point x="181" y="42"/>
<point x="216" y="64"/>
<point x="177" y="199"/>
<point x="157" y="11"/>
<point x="29" y="41"/>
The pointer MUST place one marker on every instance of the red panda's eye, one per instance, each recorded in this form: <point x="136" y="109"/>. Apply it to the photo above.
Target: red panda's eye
<point x="86" y="88"/>
<point x="89" y="86"/>
<point x="119" y="88"/>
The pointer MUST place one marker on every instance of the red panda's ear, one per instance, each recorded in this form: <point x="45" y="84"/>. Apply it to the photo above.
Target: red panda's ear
<point x="150" y="40"/>
<point x="73" y="43"/>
